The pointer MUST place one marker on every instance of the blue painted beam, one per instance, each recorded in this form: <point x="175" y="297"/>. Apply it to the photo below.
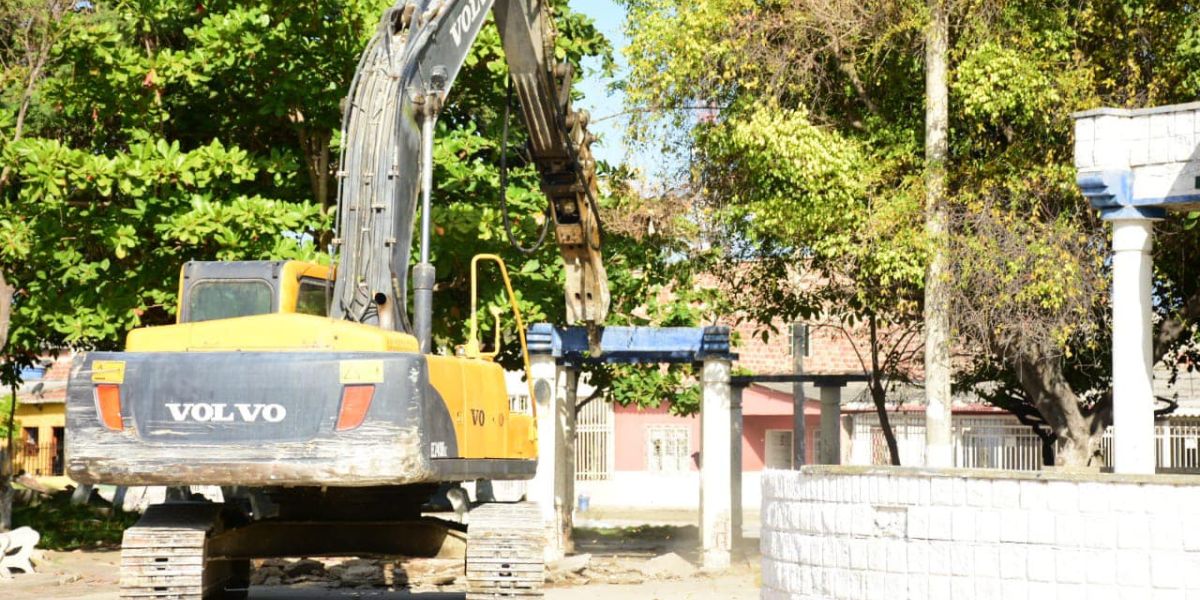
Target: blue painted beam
<point x="631" y="345"/>
<point x="1111" y="193"/>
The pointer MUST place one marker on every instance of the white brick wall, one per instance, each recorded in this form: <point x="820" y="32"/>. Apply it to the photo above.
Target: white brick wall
<point x="1159" y="145"/>
<point x="886" y="533"/>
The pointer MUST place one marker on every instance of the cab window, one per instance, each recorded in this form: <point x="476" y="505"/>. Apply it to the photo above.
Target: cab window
<point x="312" y="297"/>
<point x="211" y="300"/>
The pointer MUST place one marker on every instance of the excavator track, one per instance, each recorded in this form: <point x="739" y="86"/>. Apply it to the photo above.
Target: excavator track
<point x="164" y="556"/>
<point x="505" y="551"/>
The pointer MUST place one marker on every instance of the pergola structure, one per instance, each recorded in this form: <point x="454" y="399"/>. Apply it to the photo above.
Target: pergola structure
<point x="1134" y="166"/>
<point x="830" y="386"/>
<point x="558" y="353"/>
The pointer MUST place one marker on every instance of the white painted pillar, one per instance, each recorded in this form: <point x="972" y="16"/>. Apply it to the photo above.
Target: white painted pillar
<point x="716" y="524"/>
<point x="1133" y="391"/>
<point x="544" y="487"/>
<point x="831" y="425"/>
<point x="847" y="457"/>
<point x="737" y="432"/>
<point x="939" y="436"/>
<point x="564" y="492"/>
<point x="860" y="445"/>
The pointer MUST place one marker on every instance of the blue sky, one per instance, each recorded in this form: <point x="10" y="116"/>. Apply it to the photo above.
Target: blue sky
<point x="597" y="99"/>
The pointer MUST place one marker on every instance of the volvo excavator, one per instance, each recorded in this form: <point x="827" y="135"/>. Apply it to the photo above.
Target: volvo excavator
<point x="309" y="393"/>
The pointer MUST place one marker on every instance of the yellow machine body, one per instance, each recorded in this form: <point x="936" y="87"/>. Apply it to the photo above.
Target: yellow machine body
<point x="472" y="387"/>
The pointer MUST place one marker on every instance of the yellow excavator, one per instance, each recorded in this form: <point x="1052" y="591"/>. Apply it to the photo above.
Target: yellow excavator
<point x="308" y="393"/>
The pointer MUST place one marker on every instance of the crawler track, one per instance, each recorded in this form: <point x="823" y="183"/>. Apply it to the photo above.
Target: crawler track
<point x="164" y="557"/>
<point x="505" y="552"/>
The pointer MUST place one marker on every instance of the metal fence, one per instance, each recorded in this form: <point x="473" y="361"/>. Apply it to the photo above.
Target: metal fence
<point x="999" y="442"/>
<point x="594" y="448"/>
<point x="910" y="438"/>
<point x="45" y="460"/>
<point x="1003" y="443"/>
<point x="1176" y="449"/>
<point x="997" y="446"/>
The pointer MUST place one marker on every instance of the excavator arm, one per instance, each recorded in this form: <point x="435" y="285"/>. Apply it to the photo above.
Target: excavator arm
<point x="400" y="86"/>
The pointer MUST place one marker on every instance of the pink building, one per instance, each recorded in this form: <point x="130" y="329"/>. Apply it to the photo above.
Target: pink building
<point x="655" y="440"/>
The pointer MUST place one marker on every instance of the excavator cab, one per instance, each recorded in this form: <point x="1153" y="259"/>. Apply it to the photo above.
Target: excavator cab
<point x="212" y="290"/>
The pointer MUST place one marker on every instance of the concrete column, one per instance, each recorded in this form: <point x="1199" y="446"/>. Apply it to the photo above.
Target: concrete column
<point x="831" y="424"/>
<point x="847" y="457"/>
<point x="543" y="488"/>
<point x="939" y="440"/>
<point x="735" y="461"/>
<point x="716" y="533"/>
<point x="1133" y="395"/>
<point x="860" y="445"/>
<point x="564" y="496"/>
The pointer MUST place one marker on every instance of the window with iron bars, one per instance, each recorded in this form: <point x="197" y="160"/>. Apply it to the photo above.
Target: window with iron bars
<point x="668" y="448"/>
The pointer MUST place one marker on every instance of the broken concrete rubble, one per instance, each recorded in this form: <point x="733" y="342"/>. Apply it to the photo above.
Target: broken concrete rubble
<point x="16" y="551"/>
<point x="571" y="564"/>
<point x="669" y="566"/>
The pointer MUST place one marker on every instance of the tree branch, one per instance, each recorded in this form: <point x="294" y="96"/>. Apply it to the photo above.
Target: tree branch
<point x="1173" y="329"/>
<point x="41" y="55"/>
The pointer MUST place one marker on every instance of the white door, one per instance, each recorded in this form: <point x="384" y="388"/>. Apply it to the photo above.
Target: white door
<point x="779" y="449"/>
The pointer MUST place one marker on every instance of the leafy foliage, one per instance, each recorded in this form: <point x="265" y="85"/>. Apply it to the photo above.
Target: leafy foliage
<point x="65" y="526"/>
<point x="6" y="406"/>
<point x="96" y="242"/>
<point x="166" y="131"/>
<point x="159" y="133"/>
<point x="807" y="170"/>
<point x="809" y="157"/>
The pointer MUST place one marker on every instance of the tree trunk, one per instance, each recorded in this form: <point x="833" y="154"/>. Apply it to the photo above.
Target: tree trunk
<point x="879" y="394"/>
<point x="316" y="154"/>
<point x="885" y="424"/>
<point x="6" y="297"/>
<point x="1072" y="451"/>
<point x="38" y="57"/>
<point x="6" y="500"/>
<point x="6" y="465"/>
<point x="6" y="490"/>
<point x="1076" y="435"/>
<point x="1049" y="442"/>
<point x="938" y="446"/>
<point x="314" y="145"/>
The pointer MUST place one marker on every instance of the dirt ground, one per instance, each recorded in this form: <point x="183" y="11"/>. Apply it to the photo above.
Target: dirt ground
<point x="619" y="568"/>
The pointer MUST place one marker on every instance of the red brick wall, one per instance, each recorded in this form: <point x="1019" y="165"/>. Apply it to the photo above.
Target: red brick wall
<point x="829" y="350"/>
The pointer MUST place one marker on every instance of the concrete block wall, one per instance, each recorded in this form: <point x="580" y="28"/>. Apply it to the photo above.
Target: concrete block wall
<point x="892" y="533"/>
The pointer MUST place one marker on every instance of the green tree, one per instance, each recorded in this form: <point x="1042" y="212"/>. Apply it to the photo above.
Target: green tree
<point x="151" y="133"/>
<point x="806" y="156"/>
<point x="1030" y="255"/>
<point x="1027" y="261"/>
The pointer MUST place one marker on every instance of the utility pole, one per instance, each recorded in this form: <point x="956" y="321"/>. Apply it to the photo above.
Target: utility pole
<point x="938" y="446"/>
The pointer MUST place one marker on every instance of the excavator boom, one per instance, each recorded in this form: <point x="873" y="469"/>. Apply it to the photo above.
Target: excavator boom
<point x="400" y="86"/>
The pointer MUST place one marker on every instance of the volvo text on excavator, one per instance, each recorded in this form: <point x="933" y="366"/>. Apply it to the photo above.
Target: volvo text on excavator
<point x="308" y="393"/>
